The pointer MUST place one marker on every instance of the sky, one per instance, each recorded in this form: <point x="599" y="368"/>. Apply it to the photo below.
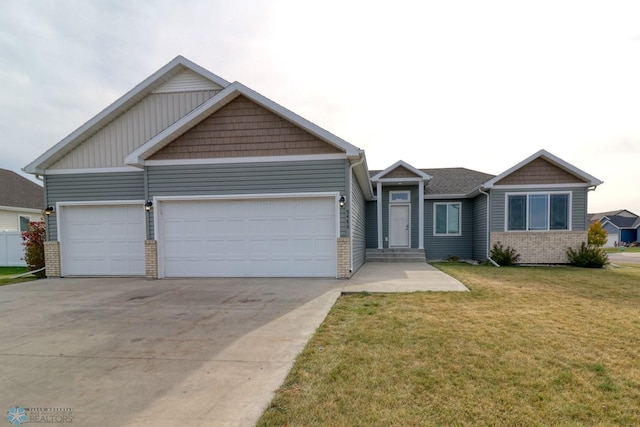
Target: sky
<point x="481" y="85"/>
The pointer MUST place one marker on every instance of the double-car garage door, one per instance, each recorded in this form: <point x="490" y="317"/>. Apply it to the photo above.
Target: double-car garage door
<point x="270" y="237"/>
<point x="247" y="237"/>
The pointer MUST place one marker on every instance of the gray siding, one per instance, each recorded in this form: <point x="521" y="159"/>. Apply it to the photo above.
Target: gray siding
<point x="250" y="178"/>
<point x="358" y="225"/>
<point x="480" y="228"/>
<point x="578" y="206"/>
<point x="91" y="187"/>
<point x="372" y="224"/>
<point x="441" y="247"/>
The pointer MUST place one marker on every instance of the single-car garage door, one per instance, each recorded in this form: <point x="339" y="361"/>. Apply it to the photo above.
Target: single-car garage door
<point x="104" y="240"/>
<point x="267" y="237"/>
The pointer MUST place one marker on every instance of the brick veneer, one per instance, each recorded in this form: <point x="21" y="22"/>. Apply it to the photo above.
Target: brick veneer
<point x="547" y="247"/>
<point x="151" y="259"/>
<point x="52" y="258"/>
<point x="344" y="258"/>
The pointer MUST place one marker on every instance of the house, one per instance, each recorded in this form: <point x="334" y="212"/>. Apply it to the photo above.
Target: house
<point x="621" y="226"/>
<point x="21" y="201"/>
<point x="189" y="175"/>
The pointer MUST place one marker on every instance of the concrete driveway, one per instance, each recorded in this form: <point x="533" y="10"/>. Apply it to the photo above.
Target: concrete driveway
<point x="132" y="352"/>
<point x="624" y="257"/>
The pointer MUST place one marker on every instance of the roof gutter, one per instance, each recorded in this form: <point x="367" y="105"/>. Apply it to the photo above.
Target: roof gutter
<point x="488" y="223"/>
<point x="350" y="213"/>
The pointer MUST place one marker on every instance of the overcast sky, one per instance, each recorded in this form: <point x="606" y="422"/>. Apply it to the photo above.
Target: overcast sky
<point x="475" y="84"/>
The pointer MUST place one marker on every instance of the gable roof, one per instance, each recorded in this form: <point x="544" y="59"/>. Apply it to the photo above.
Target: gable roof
<point x="455" y="181"/>
<point x="449" y="182"/>
<point x="419" y="174"/>
<point x="151" y="83"/>
<point x="620" y="219"/>
<point x="556" y="161"/>
<point x="17" y="191"/>
<point x="215" y="103"/>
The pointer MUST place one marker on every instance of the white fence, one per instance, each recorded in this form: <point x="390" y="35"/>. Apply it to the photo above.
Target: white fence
<point x="11" y="249"/>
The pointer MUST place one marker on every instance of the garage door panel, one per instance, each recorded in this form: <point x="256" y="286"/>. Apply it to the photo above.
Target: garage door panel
<point x="102" y="240"/>
<point x="255" y="237"/>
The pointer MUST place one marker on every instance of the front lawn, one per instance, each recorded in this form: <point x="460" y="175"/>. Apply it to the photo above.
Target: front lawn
<point x="527" y="346"/>
<point x="7" y="274"/>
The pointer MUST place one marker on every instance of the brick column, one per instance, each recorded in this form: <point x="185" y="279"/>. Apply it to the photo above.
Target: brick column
<point x="344" y="258"/>
<point x="52" y="258"/>
<point x="151" y="258"/>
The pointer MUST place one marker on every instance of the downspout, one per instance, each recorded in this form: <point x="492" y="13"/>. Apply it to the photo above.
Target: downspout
<point x="488" y="224"/>
<point x="351" y="211"/>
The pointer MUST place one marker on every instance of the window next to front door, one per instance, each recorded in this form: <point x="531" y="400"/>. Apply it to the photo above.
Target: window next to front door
<point x="447" y="218"/>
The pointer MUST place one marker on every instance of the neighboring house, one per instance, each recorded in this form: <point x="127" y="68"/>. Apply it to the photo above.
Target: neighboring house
<point x="621" y="226"/>
<point x="188" y="175"/>
<point x="21" y="201"/>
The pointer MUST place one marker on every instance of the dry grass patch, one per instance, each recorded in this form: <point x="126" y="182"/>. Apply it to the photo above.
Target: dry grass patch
<point x="528" y="346"/>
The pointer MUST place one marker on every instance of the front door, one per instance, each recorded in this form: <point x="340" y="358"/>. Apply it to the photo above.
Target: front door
<point x="399" y="226"/>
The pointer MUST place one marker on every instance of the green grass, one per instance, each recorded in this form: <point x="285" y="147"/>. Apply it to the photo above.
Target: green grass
<point x="527" y="346"/>
<point x="616" y="250"/>
<point x="7" y="274"/>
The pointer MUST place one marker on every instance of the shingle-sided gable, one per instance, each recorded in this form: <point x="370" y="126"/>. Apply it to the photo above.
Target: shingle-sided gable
<point x="243" y="128"/>
<point x="540" y="171"/>
<point x="401" y="172"/>
<point x="543" y="168"/>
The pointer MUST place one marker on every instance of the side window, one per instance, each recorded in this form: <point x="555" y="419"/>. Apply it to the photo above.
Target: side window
<point x="24" y="222"/>
<point x="447" y="218"/>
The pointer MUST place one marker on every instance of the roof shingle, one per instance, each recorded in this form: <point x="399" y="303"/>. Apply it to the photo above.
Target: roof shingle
<point x="17" y="191"/>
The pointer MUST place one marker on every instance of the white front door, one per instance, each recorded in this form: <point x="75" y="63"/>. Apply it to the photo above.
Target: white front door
<point x="399" y="226"/>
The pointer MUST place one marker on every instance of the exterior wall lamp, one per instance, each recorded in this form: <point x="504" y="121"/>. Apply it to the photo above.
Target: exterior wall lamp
<point x="49" y="210"/>
<point x="148" y="206"/>
<point x="342" y="201"/>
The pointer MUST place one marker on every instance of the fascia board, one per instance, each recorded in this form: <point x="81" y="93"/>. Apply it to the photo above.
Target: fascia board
<point x="591" y="181"/>
<point x="445" y="196"/>
<point x="67" y="144"/>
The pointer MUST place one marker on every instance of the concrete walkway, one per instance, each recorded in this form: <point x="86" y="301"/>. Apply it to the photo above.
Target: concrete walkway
<point x="386" y="277"/>
<point x="624" y="257"/>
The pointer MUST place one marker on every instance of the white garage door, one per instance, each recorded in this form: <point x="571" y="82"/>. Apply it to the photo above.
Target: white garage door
<point x="105" y="240"/>
<point x="288" y="237"/>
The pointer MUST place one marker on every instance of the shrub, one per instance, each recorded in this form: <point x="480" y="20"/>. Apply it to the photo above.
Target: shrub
<point x="504" y="256"/>
<point x="597" y="235"/>
<point x="33" y="241"/>
<point x="589" y="256"/>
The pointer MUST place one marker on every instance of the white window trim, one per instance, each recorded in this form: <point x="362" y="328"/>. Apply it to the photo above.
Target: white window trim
<point x="532" y="193"/>
<point x="407" y="192"/>
<point x="447" y="234"/>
